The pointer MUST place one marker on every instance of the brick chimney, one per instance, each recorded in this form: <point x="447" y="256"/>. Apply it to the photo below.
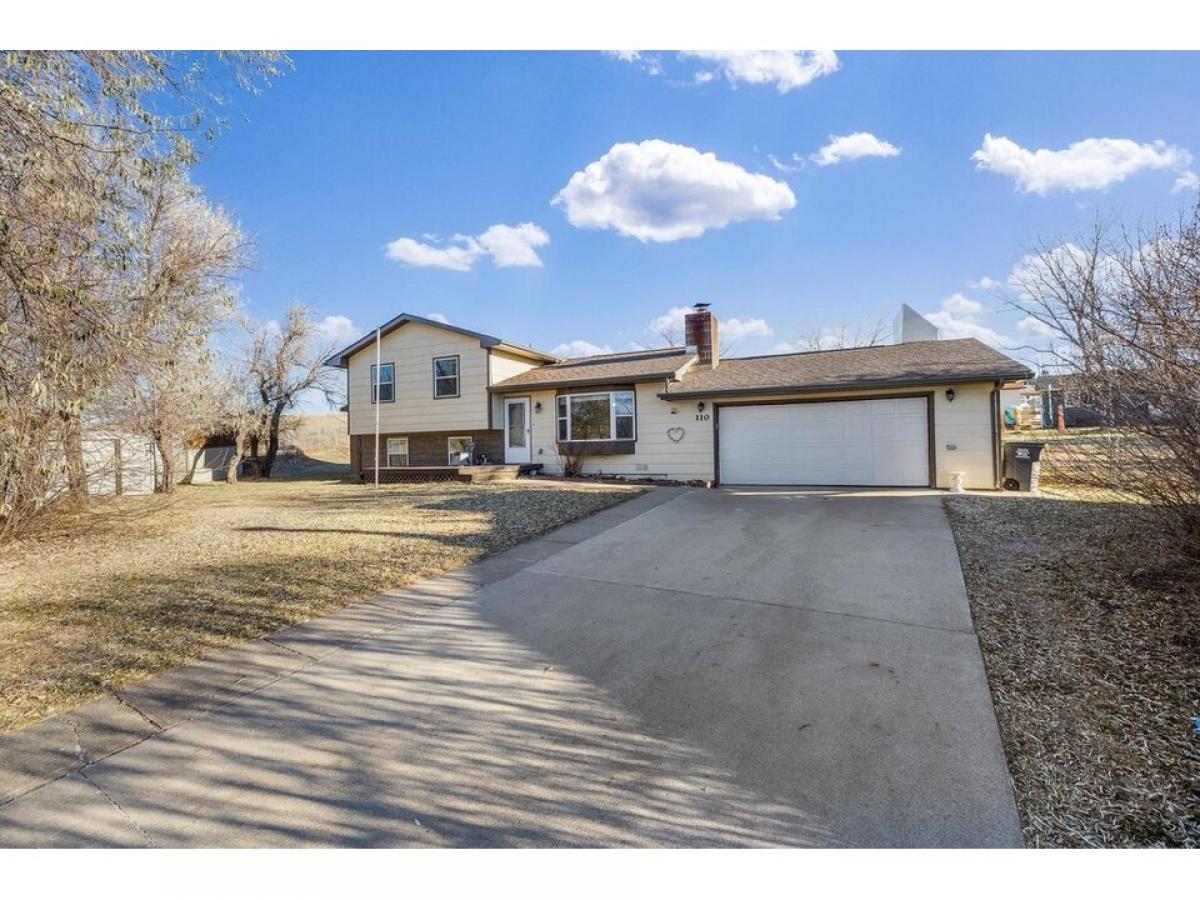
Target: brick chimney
<point x="700" y="335"/>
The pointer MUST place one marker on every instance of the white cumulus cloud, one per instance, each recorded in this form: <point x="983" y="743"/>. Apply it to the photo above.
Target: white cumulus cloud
<point x="1091" y="164"/>
<point x="1188" y="181"/>
<point x="670" y="322"/>
<point x="513" y="245"/>
<point x="960" y="305"/>
<point x="959" y="317"/>
<point x="334" y="331"/>
<point x="853" y="146"/>
<point x="659" y="191"/>
<point x="736" y="329"/>
<point x="786" y="69"/>
<point x="580" y="348"/>
<point x="438" y="317"/>
<point x="506" y="245"/>
<point x="987" y="283"/>
<point x="670" y="325"/>
<point x="1031" y="327"/>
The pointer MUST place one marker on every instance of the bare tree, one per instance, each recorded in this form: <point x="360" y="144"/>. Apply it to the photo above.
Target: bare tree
<point x="238" y="416"/>
<point x="284" y="363"/>
<point x="844" y="337"/>
<point x="84" y="147"/>
<point x="188" y="254"/>
<point x="1125" y="311"/>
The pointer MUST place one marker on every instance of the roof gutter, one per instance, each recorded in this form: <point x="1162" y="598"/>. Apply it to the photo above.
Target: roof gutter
<point x="504" y="387"/>
<point x="840" y="386"/>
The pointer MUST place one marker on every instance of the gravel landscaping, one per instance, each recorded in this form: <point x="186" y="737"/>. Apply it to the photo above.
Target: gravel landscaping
<point x="1092" y="650"/>
<point x="94" y="601"/>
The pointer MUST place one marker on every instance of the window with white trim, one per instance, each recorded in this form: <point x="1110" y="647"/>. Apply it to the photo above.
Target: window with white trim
<point x="445" y="377"/>
<point x="383" y="386"/>
<point x="395" y="452"/>
<point x="459" y="450"/>
<point x="599" y="416"/>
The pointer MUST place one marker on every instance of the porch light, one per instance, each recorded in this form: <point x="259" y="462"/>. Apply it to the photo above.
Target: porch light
<point x="700" y="406"/>
<point x="949" y="395"/>
<point x="537" y="406"/>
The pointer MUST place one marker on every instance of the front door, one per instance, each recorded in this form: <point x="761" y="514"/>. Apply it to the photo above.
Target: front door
<point x="517" y="431"/>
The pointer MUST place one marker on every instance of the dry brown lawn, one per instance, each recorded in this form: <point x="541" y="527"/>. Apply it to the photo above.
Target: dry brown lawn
<point x="1092" y="648"/>
<point x="136" y="586"/>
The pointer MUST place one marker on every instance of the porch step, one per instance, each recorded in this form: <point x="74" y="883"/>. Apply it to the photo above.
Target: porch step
<point x="466" y="474"/>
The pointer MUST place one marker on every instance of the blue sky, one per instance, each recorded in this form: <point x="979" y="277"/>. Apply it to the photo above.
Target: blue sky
<point x="350" y="153"/>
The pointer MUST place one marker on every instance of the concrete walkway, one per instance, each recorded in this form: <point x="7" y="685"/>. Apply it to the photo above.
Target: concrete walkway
<point x="691" y="668"/>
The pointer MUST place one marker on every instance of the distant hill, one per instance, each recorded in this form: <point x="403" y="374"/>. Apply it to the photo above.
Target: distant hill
<point x="315" y="439"/>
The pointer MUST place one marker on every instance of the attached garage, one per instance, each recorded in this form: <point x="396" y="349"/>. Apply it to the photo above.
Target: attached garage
<point x="881" y="441"/>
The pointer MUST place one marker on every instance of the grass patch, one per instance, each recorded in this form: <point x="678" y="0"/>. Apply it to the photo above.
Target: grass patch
<point x="1092" y="649"/>
<point x="91" y="601"/>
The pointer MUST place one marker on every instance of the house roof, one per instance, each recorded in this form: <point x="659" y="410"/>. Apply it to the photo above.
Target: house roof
<point x="918" y="362"/>
<point x="637" y="365"/>
<point x="341" y="359"/>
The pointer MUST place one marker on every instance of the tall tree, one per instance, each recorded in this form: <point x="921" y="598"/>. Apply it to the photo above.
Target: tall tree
<point x="1123" y="310"/>
<point x="285" y="362"/>
<point x="188" y="254"/>
<point x="84" y="147"/>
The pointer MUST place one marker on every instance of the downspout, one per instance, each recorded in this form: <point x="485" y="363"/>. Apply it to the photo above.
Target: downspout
<point x="995" y="403"/>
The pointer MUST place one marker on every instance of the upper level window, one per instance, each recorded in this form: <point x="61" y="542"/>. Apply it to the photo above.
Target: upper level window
<point x="445" y="377"/>
<point x="605" y="416"/>
<point x="383" y="387"/>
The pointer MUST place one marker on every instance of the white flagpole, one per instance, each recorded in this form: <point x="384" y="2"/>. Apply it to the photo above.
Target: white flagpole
<point x="375" y="388"/>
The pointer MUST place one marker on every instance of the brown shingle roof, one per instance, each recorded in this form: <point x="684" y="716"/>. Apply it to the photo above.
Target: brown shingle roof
<point x="638" y="365"/>
<point x="919" y="362"/>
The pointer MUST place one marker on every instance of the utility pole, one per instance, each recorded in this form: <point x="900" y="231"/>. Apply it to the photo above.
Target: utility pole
<point x="375" y="395"/>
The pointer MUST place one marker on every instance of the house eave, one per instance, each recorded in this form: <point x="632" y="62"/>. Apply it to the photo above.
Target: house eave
<point x="860" y="385"/>
<point x="341" y="359"/>
<point x="506" y="388"/>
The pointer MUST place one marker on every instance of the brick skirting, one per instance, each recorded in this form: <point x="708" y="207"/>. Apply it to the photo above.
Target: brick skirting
<point x="427" y="448"/>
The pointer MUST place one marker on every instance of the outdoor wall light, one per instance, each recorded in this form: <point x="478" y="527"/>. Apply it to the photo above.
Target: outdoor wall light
<point x="700" y="406"/>
<point x="537" y="406"/>
<point x="949" y="395"/>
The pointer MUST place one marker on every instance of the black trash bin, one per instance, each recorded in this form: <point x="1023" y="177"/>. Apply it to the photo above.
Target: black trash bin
<point x="1022" y="465"/>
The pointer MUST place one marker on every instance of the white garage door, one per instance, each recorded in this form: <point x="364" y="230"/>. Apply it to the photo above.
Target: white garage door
<point x="855" y="442"/>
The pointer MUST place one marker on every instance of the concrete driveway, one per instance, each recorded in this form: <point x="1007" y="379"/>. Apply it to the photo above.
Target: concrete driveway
<point x="693" y="668"/>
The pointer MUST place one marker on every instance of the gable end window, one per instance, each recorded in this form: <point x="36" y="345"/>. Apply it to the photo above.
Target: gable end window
<point x="383" y="383"/>
<point x="445" y="377"/>
<point x="600" y="416"/>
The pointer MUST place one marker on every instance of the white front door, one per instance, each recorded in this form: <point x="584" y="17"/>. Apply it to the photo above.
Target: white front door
<point x="517" y="431"/>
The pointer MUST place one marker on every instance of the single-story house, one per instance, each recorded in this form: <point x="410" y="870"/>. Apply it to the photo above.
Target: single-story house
<point x="905" y="414"/>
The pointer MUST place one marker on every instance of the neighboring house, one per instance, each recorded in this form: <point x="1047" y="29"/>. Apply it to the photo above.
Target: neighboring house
<point x="1060" y="390"/>
<point x="906" y="414"/>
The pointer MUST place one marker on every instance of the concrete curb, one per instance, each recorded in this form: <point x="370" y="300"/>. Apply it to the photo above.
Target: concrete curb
<point x="72" y="741"/>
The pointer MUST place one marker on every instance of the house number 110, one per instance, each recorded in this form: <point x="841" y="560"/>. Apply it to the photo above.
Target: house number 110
<point x="702" y="417"/>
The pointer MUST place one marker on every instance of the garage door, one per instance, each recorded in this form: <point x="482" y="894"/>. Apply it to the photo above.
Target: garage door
<point x="855" y="442"/>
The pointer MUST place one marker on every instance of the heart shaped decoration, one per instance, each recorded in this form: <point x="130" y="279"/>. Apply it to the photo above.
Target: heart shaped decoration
<point x="676" y="434"/>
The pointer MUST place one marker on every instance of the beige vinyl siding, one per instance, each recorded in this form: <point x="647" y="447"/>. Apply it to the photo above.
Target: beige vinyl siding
<point x="967" y="424"/>
<point x="413" y="347"/>
<point x="657" y="456"/>
<point x="506" y="365"/>
<point x="964" y="423"/>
